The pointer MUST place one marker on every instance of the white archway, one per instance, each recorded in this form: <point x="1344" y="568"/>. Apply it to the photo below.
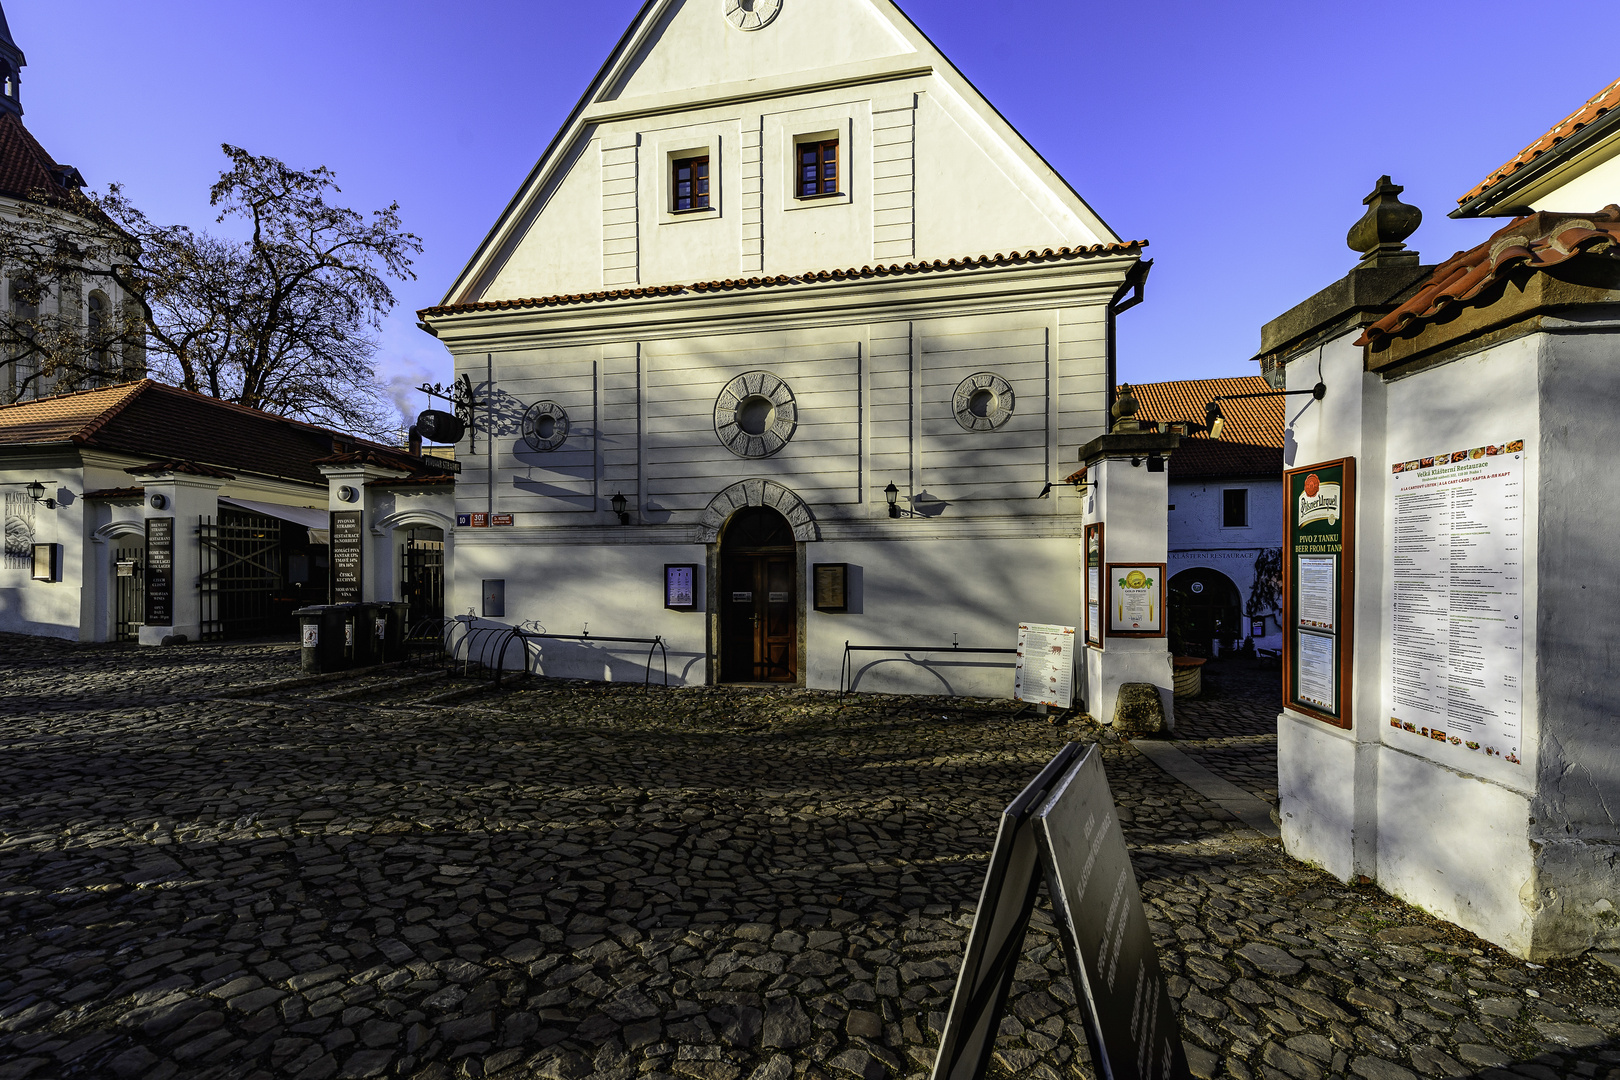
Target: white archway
<point x="404" y="519"/>
<point x="114" y="529"/>
<point x="758" y="492"/>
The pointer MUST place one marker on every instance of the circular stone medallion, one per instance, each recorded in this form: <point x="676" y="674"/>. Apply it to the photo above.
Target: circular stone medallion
<point x="983" y="402"/>
<point x="545" y="426"/>
<point x="750" y="14"/>
<point x="755" y="415"/>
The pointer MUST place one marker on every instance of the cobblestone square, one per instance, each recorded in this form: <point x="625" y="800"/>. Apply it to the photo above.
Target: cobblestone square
<point x="211" y="868"/>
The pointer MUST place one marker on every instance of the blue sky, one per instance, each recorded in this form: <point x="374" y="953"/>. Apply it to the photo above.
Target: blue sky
<point x="1239" y="138"/>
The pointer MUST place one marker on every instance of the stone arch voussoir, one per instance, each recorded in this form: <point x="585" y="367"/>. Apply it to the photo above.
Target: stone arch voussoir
<point x="758" y="492"/>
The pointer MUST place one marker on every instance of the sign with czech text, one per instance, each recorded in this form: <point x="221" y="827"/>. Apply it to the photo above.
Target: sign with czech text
<point x="159" y="571"/>
<point x="348" y="555"/>
<point x="1318" y="572"/>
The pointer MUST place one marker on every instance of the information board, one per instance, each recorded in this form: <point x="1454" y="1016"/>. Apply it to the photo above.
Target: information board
<point x="1095" y="593"/>
<point x="1456" y="609"/>
<point x="348" y="555"/>
<point x="159" y="572"/>
<point x="1044" y="673"/>
<point x="680" y="586"/>
<point x="1135" y="599"/>
<point x="1063" y="829"/>
<point x="1318" y="571"/>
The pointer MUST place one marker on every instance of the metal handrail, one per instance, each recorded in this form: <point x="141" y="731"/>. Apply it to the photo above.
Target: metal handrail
<point x="655" y="643"/>
<point x="847" y="666"/>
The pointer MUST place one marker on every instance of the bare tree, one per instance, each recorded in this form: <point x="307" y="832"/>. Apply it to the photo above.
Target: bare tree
<point x="282" y="320"/>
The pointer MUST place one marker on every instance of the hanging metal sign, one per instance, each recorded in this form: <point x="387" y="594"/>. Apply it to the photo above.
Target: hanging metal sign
<point x="1062" y="828"/>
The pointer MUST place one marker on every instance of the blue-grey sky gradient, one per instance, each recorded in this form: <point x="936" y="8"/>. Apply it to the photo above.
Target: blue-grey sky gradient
<point x="1238" y="138"/>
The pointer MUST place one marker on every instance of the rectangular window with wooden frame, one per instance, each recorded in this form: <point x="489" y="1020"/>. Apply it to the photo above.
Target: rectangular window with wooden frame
<point x="691" y="184"/>
<point x="818" y="169"/>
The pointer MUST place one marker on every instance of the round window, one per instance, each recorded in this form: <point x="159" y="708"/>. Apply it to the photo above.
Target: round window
<point x="755" y="415"/>
<point x="982" y="402"/>
<point x="545" y="426"/>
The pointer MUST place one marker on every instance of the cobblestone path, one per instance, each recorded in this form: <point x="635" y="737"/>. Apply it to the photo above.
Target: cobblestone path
<point x="565" y="881"/>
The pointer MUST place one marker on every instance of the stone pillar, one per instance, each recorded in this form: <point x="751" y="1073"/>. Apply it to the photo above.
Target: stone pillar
<point x="186" y="498"/>
<point x="1128" y="473"/>
<point x="347" y="490"/>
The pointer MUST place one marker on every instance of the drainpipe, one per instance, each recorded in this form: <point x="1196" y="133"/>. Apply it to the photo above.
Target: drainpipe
<point x="1134" y="283"/>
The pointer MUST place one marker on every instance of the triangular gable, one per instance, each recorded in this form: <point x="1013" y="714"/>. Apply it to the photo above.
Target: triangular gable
<point x="880" y="41"/>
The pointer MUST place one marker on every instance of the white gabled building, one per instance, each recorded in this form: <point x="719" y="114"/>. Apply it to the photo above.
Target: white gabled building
<point x="776" y="263"/>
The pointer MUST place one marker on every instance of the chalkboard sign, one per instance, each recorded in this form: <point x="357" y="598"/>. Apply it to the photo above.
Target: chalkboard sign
<point x="348" y="555"/>
<point x="1131" y="1023"/>
<point x="995" y="945"/>
<point x="159" y="571"/>
<point x="1062" y="828"/>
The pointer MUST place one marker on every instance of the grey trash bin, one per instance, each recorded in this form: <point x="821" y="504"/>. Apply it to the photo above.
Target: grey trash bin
<point x="321" y="634"/>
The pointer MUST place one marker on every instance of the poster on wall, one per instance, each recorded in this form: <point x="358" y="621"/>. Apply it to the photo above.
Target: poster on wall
<point x="348" y="555"/>
<point x="1318" y="566"/>
<point x="19" y="530"/>
<point x="1044" y="672"/>
<point x="1456" y="606"/>
<point x="1135" y="599"/>
<point x="159" y="572"/>
<point x="1094" y="584"/>
<point x="680" y="586"/>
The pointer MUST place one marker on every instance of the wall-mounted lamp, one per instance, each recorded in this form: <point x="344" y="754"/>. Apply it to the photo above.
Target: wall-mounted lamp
<point x="1155" y="462"/>
<point x="36" y="491"/>
<point x="1215" y="423"/>
<point x="621" y="507"/>
<point x="892" y="495"/>
<point x="158" y="501"/>
<point x="348" y="494"/>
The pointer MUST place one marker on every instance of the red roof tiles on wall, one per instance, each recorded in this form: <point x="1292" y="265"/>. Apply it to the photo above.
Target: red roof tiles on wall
<point x="1535" y="241"/>
<point x="1251" y="438"/>
<point x="1597" y="105"/>
<point x="970" y="262"/>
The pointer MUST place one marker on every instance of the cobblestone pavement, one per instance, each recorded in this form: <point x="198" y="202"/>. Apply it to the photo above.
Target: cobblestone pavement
<point x="571" y="881"/>
<point x="1231" y="729"/>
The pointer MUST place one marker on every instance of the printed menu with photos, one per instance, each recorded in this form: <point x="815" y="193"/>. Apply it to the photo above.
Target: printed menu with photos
<point x="1044" y="674"/>
<point x="1456" y="611"/>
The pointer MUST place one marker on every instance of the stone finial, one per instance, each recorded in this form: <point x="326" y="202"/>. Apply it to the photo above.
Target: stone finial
<point x="1124" y="410"/>
<point x="1381" y="230"/>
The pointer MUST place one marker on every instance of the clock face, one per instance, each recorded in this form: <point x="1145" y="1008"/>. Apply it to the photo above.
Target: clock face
<point x="751" y="14"/>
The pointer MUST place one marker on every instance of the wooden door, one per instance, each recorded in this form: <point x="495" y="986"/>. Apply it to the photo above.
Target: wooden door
<point x="759" y="620"/>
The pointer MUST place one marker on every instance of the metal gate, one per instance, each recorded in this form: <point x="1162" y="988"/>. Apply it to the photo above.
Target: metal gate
<point x="421" y="578"/>
<point x="241" y="573"/>
<point x="129" y="587"/>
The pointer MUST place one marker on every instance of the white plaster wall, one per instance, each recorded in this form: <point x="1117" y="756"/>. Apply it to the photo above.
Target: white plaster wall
<point x="49" y="609"/>
<point x="1316" y="793"/>
<point x="1591" y="191"/>
<point x="925" y="592"/>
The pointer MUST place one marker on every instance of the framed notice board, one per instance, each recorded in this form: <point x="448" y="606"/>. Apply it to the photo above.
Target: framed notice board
<point x="1096" y="595"/>
<point x="1319" y="506"/>
<point x="1135" y="599"/>
<point x="347" y="538"/>
<point x="680" y="586"/>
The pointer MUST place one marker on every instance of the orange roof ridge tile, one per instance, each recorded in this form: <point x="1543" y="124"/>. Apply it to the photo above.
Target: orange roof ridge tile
<point x="1014" y="258"/>
<point x="1535" y="241"/>
<point x="1595" y="106"/>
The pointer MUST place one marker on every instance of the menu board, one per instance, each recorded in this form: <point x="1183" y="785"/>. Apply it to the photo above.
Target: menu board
<point x="1318" y="568"/>
<point x="1135" y="599"/>
<point x="348" y="555"/>
<point x="1044" y="674"/>
<point x="1457" y="604"/>
<point x="159" y="572"/>
<point x="1095" y="593"/>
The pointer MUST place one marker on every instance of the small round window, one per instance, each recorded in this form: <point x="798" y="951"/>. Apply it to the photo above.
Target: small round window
<point x="983" y="402"/>
<point x="755" y="415"/>
<point x="545" y="426"/>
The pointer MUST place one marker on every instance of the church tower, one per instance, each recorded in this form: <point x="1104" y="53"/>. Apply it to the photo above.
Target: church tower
<point x="11" y="65"/>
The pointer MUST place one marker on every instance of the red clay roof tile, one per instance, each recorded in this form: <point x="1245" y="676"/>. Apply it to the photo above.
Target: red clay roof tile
<point x="182" y="466"/>
<point x="26" y="170"/>
<point x="1535" y="241"/>
<point x="1016" y="258"/>
<point x="1597" y="105"/>
<point x="1251" y="440"/>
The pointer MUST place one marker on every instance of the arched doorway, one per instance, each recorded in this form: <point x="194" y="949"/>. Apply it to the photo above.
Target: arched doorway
<point x="759" y="598"/>
<point x="1205" y="608"/>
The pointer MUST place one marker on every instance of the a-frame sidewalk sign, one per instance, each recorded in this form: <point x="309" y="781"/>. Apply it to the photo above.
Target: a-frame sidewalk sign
<point x="1062" y="829"/>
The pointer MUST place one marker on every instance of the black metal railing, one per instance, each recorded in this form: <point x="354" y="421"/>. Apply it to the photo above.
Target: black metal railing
<point x="846" y="669"/>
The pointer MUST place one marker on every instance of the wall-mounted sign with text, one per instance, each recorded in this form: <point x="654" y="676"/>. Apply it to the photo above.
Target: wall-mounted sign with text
<point x="1096" y="595"/>
<point x="348" y="555"/>
<point x="1135" y="599"/>
<point x="680" y="586"/>
<point x="1318" y="572"/>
